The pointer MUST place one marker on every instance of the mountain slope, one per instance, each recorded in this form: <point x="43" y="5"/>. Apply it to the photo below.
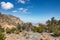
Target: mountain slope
<point x="9" y="20"/>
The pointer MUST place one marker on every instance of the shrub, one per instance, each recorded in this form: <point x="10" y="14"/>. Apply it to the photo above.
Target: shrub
<point x="56" y="34"/>
<point x="57" y="31"/>
<point x="1" y="29"/>
<point x="41" y="29"/>
<point x="2" y="36"/>
<point x="51" y="29"/>
<point x="13" y="30"/>
<point x="38" y="29"/>
<point x="34" y="29"/>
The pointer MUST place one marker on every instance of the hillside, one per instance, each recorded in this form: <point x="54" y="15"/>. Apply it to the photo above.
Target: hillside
<point x="9" y="20"/>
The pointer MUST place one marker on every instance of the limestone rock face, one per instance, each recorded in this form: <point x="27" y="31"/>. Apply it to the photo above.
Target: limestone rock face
<point x="9" y="20"/>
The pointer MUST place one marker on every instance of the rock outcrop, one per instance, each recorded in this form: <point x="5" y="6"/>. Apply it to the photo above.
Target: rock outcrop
<point x="31" y="36"/>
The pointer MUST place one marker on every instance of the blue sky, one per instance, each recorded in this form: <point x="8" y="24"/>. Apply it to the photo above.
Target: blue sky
<point x="35" y="11"/>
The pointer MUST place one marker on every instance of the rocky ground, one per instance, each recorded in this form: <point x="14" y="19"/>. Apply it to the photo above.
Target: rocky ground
<point x="31" y="36"/>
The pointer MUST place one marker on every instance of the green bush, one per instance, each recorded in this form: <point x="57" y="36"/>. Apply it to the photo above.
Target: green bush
<point x="2" y="36"/>
<point x="55" y="30"/>
<point x="1" y="29"/>
<point x="41" y="29"/>
<point x="51" y="29"/>
<point x="38" y="29"/>
<point x="34" y="29"/>
<point x="57" y="34"/>
<point x="12" y="30"/>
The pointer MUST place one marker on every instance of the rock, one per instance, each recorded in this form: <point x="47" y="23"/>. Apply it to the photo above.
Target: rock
<point x="31" y="36"/>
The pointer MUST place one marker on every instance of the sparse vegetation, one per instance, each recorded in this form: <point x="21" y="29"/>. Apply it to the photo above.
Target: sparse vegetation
<point x="2" y="36"/>
<point x="39" y="29"/>
<point x="1" y="29"/>
<point x="13" y="30"/>
<point x="54" y="26"/>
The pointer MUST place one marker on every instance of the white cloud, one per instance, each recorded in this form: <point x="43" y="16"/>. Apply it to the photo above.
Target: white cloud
<point x="23" y="1"/>
<point x="21" y="9"/>
<point x="14" y="11"/>
<point x="7" y="5"/>
<point x="24" y="10"/>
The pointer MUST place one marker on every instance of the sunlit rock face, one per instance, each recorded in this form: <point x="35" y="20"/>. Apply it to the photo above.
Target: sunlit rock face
<point x="9" y="21"/>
